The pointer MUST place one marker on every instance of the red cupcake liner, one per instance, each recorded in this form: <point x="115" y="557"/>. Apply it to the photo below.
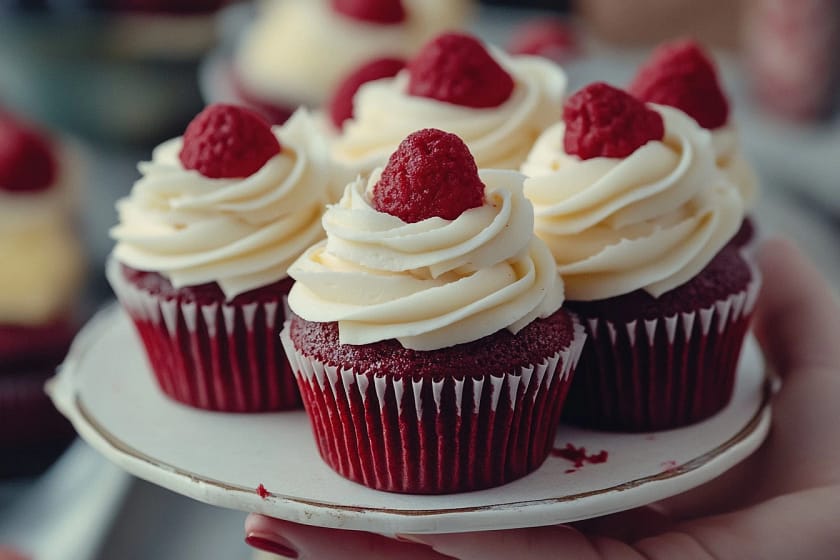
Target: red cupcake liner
<point x="434" y="436"/>
<point x="658" y="374"/>
<point x="215" y="356"/>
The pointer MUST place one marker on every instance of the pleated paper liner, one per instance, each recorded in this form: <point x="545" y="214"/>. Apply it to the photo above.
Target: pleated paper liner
<point x="434" y="436"/>
<point x="218" y="356"/>
<point x="658" y="374"/>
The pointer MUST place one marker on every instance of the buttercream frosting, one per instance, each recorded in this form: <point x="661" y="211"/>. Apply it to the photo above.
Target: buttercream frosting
<point x="651" y="221"/>
<point x="297" y="51"/>
<point x="239" y="233"/>
<point x="498" y="137"/>
<point x="430" y="284"/>
<point x="730" y="159"/>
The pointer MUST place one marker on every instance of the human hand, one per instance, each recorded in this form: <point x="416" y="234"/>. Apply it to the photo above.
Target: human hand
<point x="782" y="503"/>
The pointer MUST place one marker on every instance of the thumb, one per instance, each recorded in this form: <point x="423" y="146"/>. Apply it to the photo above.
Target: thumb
<point x="797" y="319"/>
<point x="799" y="525"/>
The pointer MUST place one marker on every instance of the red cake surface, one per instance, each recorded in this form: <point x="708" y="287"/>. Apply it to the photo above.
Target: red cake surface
<point x="500" y="352"/>
<point x="603" y="121"/>
<point x="728" y="273"/>
<point x="432" y="173"/>
<point x="456" y="68"/>
<point x="746" y="234"/>
<point x="159" y="285"/>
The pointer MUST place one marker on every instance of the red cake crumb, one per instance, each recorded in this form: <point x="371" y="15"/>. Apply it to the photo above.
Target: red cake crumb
<point x="341" y="105"/>
<point x="578" y="456"/>
<point x="432" y="173"/>
<point x="681" y="75"/>
<point x="668" y="466"/>
<point x="456" y="68"/>
<point x="262" y="492"/>
<point x="550" y="38"/>
<point x="27" y="163"/>
<point x="603" y="121"/>
<point x="383" y="12"/>
<point x="227" y="141"/>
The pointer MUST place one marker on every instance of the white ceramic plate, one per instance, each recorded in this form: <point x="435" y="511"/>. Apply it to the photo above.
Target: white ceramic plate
<point x="107" y="391"/>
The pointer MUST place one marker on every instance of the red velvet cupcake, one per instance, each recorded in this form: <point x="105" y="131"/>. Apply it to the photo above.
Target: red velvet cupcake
<point x="637" y="214"/>
<point x="428" y="340"/>
<point x="40" y="282"/>
<point x="203" y="245"/>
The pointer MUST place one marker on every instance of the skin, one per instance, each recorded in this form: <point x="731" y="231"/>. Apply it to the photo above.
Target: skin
<point x="782" y="503"/>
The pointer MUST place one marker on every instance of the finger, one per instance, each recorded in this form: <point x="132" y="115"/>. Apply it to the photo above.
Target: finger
<point x="557" y="541"/>
<point x="797" y="318"/>
<point x="801" y="525"/>
<point x="628" y="526"/>
<point x="291" y="540"/>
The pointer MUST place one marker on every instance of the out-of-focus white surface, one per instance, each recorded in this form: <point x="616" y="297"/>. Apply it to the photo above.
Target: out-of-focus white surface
<point x="68" y="511"/>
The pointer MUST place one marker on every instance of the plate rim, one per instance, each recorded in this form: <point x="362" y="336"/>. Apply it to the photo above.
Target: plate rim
<point x="65" y="393"/>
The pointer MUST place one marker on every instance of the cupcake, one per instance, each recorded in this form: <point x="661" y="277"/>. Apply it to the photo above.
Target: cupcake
<point x="427" y="335"/>
<point x="40" y="284"/>
<point x="497" y="104"/>
<point x="203" y="245"/>
<point x="628" y="197"/>
<point x="296" y="51"/>
<point x="680" y="74"/>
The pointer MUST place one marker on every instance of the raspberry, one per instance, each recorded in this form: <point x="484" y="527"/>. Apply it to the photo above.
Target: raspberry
<point x="602" y="121"/>
<point x="383" y="12"/>
<point x="681" y="75"/>
<point x="341" y="105"/>
<point x="27" y="163"/>
<point x="226" y="142"/>
<point x="432" y="173"/>
<point x="551" y="38"/>
<point x="456" y="68"/>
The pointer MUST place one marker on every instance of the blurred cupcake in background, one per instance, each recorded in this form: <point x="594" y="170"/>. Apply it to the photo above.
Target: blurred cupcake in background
<point x="203" y="246"/>
<point x="116" y="71"/>
<point x="630" y="200"/>
<point x="682" y="75"/>
<point x="497" y="104"/>
<point x="41" y="282"/>
<point x="296" y="51"/>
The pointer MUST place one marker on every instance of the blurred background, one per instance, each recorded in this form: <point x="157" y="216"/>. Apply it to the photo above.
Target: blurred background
<point x="107" y="80"/>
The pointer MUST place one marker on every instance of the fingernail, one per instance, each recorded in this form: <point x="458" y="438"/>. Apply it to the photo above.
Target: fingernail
<point x="274" y="544"/>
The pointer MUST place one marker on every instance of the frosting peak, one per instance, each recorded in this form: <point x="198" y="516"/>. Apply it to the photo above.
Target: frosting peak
<point x="429" y="284"/>
<point x="240" y="233"/>
<point x="651" y="221"/>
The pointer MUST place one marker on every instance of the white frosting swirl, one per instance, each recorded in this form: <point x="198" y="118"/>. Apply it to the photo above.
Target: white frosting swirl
<point x="498" y="137"/>
<point x="297" y="51"/>
<point x="431" y="284"/>
<point x="651" y="221"/>
<point x="240" y="233"/>
<point x="730" y="159"/>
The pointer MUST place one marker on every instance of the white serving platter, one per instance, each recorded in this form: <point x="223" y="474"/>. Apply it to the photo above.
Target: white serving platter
<point x="106" y="389"/>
